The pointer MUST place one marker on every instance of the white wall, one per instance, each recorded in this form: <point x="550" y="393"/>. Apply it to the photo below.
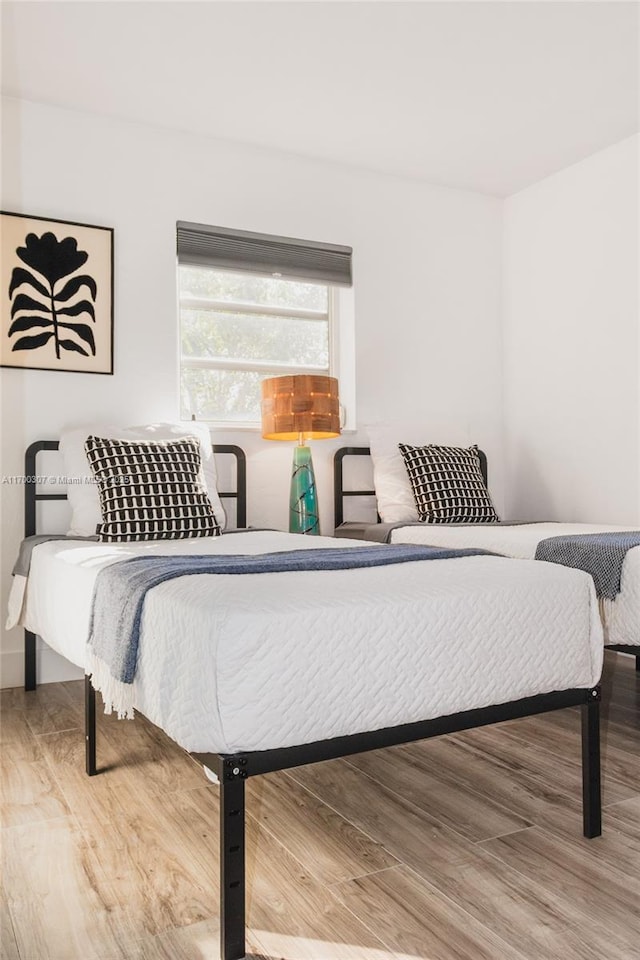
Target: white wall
<point x="427" y="264"/>
<point x="571" y="335"/>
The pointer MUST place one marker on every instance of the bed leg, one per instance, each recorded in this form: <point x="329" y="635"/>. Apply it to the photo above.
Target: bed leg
<point x="638" y="664"/>
<point x="90" y="727"/>
<point x="591" y="799"/>
<point x="29" y="660"/>
<point x="232" y="869"/>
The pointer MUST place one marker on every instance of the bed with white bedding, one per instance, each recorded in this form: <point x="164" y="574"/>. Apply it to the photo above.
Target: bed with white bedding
<point x="260" y="672"/>
<point x="620" y="616"/>
<point x="236" y="663"/>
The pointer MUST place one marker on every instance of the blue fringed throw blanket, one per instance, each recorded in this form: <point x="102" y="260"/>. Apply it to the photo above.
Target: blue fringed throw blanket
<point x="120" y="591"/>
<point x="600" y="554"/>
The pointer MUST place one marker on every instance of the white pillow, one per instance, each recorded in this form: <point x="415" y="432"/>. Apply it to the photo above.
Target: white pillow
<point x="83" y="492"/>
<point x="396" y="502"/>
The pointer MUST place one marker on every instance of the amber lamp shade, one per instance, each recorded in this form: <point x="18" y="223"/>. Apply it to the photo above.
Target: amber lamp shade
<point x="298" y="406"/>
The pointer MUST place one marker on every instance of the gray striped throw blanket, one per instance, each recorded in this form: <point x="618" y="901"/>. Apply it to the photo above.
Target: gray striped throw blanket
<point x="120" y="591"/>
<point x="600" y="554"/>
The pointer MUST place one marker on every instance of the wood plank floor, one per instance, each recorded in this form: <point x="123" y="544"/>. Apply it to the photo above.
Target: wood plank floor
<point x="468" y="847"/>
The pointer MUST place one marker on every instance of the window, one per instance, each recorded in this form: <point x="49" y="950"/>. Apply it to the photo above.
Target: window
<point x="237" y="328"/>
<point x="253" y="312"/>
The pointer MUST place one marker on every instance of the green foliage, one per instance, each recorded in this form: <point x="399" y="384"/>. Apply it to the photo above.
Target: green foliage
<point x="246" y="337"/>
<point x="234" y="395"/>
<point x="221" y="394"/>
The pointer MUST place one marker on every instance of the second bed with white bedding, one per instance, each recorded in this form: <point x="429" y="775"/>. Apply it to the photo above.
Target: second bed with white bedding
<point x="398" y="512"/>
<point x="261" y="661"/>
<point x="620" y="617"/>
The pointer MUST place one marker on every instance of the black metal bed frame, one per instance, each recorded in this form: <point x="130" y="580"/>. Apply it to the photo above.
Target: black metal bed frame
<point x="233" y="770"/>
<point x="339" y="494"/>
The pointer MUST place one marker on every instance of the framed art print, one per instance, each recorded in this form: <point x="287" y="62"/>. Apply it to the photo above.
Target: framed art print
<point x="56" y="295"/>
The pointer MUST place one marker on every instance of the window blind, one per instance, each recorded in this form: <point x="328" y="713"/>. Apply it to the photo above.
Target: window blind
<point x="202" y="245"/>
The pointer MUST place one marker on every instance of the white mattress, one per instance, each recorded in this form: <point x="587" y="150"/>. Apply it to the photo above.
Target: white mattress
<point x="254" y="662"/>
<point x="621" y="617"/>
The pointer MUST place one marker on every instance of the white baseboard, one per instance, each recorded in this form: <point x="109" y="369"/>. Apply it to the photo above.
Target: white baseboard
<point x="50" y="667"/>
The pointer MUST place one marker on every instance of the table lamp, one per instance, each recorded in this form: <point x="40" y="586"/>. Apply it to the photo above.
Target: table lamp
<point x="301" y="407"/>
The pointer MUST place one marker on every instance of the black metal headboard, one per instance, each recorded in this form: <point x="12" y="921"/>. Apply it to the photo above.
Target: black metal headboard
<point x="339" y="493"/>
<point x="31" y="496"/>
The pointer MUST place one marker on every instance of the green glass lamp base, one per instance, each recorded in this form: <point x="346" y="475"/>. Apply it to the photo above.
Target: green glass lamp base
<point x="303" y="501"/>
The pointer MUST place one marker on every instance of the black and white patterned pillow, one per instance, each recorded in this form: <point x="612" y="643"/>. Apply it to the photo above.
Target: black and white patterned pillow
<point x="151" y="490"/>
<point x="448" y="485"/>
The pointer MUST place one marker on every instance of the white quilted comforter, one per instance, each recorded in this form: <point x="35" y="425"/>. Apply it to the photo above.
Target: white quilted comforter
<point x="620" y="617"/>
<point x="254" y="662"/>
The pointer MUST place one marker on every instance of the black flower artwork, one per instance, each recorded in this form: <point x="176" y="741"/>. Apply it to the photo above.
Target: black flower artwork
<point x="44" y="307"/>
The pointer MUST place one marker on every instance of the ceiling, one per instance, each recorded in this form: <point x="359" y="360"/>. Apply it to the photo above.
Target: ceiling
<point x="488" y="96"/>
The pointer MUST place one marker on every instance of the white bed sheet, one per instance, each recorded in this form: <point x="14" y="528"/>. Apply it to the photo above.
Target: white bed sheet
<point x="254" y="662"/>
<point x="620" y="617"/>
